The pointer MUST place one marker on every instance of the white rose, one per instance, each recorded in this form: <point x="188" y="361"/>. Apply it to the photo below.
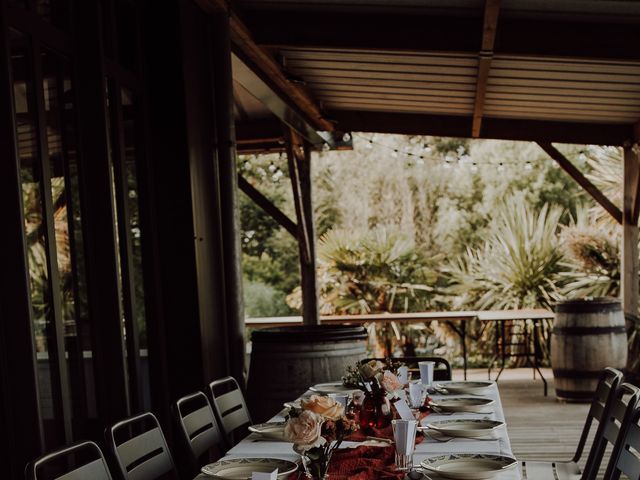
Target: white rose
<point x="304" y="431"/>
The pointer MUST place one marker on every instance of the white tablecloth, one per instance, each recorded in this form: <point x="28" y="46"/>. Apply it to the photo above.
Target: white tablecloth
<point x="254" y="446"/>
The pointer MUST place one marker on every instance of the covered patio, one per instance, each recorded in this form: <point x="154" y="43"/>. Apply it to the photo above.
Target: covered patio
<point x="121" y="278"/>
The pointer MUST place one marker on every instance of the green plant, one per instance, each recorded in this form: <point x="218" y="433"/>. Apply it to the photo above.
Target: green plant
<point x="519" y="265"/>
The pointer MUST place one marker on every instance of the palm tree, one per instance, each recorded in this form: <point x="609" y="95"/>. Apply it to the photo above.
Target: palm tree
<point x="519" y="265"/>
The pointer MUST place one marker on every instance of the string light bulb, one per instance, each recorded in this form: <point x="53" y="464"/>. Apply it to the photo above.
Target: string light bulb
<point x="528" y="166"/>
<point x="500" y="167"/>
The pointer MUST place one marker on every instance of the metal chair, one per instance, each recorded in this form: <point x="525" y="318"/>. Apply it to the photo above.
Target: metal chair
<point x="95" y="468"/>
<point x="622" y="409"/>
<point x="625" y="458"/>
<point x="441" y="370"/>
<point x="230" y="408"/>
<point x="198" y="432"/>
<point x="140" y="449"/>
<point x="603" y="399"/>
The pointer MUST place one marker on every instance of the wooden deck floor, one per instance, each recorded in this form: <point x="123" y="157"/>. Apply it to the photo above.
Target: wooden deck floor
<point x="539" y="427"/>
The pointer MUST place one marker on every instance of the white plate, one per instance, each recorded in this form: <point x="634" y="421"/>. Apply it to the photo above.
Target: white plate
<point x="243" y="468"/>
<point x="332" y="387"/>
<point x="472" y="428"/>
<point x="464" y="404"/>
<point x="463" y="387"/>
<point x="274" y="430"/>
<point x="468" y="466"/>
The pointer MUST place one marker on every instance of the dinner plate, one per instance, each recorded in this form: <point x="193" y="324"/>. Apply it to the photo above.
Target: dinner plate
<point x="463" y="387"/>
<point x="464" y="404"/>
<point x="468" y="466"/>
<point x="332" y="387"/>
<point x="243" y="468"/>
<point x="469" y="428"/>
<point x="274" y="430"/>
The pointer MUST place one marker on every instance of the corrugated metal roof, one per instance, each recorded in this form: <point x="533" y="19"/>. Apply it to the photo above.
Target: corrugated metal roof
<point x="518" y="87"/>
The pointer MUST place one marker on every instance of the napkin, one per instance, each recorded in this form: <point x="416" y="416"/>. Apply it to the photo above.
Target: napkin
<point x="415" y="394"/>
<point x="403" y="374"/>
<point x="403" y="410"/>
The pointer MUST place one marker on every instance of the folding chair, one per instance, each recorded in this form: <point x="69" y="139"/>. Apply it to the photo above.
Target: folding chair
<point x="89" y="454"/>
<point x="603" y="399"/>
<point x="625" y="458"/>
<point x="230" y="408"/>
<point x="198" y="432"/>
<point x="140" y="449"/>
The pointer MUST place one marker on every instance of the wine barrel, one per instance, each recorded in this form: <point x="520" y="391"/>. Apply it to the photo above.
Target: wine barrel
<point x="588" y="335"/>
<point x="285" y="361"/>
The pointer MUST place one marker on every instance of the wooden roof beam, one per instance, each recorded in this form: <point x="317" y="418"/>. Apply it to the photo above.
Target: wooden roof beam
<point x="583" y="181"/>
<point x="267" y="206"/>
<point x="242" y="39"/>
<point x="494" y="128"/>
<point x="489" y="27"/>
<point x="283" y="28"/>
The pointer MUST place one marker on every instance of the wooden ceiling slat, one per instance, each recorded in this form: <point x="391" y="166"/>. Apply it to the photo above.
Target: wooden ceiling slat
<point x="314" y="81"/>
<point x="323" y="88"/>
<point x="570" y="92"/>
<point x="551" y="65"/>
<point x="298" y="65"/>
<point x="419" y="93"/>
<point x="582" y="100"/>
<point x="558" y="115"/>
<point x="382" y="75"/>
<point x="621" y="87"/>
<point x="580" y="96"/>
<point x="397" y="108"/>
<point x="571" y="105"/>
<point x="402" y="98"/>
<point x="497" y="72"/>
<point x="422" y="58"/>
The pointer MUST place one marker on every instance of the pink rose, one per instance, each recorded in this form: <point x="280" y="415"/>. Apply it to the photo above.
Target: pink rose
<point x="304" y="431"/>
<point x="390" y="382"/>
<point x="325" y="406"/>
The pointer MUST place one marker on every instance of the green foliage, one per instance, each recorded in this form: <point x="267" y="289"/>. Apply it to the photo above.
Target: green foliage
<point x="375" y="271"/>
<point x="263" y="300"/>
<point x="518" y="266"/>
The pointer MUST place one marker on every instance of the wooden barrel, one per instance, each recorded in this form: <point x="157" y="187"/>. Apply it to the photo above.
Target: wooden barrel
<point x="285" y="361"/>
<point x="588" y="335"/>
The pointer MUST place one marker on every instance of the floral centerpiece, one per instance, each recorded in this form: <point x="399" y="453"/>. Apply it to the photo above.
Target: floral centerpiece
<point x="316" y="430"/>
<point x="379" y="384"/>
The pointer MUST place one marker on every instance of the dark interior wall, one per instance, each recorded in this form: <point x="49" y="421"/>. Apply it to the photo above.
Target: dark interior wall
<point x="187" y="333"/>
<point x="20" y="421"/>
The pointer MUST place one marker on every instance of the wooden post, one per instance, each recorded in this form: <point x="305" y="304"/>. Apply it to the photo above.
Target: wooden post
<point x="629" y="257"/>
<point x="299" y="157"/>
<point x="228" y="182"/>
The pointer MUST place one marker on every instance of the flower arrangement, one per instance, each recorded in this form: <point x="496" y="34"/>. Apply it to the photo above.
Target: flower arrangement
<point x="374" y="376"/>
<point x="316" y="430"/>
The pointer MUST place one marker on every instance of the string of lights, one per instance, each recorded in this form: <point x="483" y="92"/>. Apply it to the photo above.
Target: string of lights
<point x="426" y="152"/>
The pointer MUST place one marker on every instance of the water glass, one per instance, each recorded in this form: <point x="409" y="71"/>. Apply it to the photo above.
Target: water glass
<point x="341" y="398"/>
<point x="426" y="372"/>
<point x="404" y="436"/>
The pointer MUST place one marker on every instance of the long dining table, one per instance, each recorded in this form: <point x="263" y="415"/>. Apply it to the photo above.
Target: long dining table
<point x="255" y="446"/>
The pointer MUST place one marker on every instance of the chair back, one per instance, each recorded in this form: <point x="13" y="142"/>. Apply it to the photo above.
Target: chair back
<point x="93" y="464"/>
<point x="626" y="457"/>
<point x="616" y="416"/>
<point x="230" y="407"/>
<point x="610" y="380"/>
<point x="441" y="369"/>
<point x="140" y="449"/>
<point x="198" y="431"/>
